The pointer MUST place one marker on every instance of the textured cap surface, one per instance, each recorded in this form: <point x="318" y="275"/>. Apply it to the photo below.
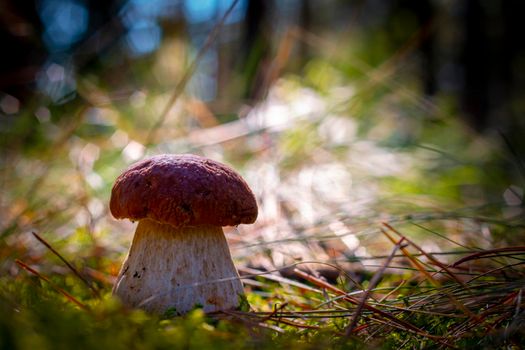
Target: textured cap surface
<point x="183" y="190"/>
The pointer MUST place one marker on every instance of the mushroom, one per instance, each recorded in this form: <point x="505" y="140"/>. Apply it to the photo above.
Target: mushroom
<point x="179" y="257"/>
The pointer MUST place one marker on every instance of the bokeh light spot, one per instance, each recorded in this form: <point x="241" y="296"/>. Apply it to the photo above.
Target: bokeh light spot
<point x="56" y="81"/>
<point x="200" y="11"/>
<point x="65" y="22"/>
<point x="9" y="104"/>
<point x="144" y="37"/>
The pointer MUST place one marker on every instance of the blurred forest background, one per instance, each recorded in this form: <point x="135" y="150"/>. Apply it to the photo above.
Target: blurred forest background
<point x="339" y="114"/>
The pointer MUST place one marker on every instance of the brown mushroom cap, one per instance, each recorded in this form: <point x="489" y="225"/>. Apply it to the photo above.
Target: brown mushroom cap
<point x="183" y="190"/>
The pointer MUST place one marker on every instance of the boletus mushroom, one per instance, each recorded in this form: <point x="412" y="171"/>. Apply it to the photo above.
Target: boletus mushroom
<point x="179" y="257"/>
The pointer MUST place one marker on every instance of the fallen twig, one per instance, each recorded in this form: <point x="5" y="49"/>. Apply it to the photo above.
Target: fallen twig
<point x="71" y="267"/>
<point x="55" y="287"/>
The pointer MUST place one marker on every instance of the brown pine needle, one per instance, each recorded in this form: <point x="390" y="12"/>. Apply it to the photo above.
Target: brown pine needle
<point x="71" y="267"/>
<point x="401" y="324"/>
<point x="413" y="260"/>
<point x="519" y="250"/>
<point x="371" y="285"/>
<point x="55" y="287"/>
<point x="429" y="256"/>
<point x="417" y="264"/>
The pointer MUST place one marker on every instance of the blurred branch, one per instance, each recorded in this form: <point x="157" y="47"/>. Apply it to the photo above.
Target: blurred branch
<point x="179" y="89"/>
<point x="47" y="157"/>
<point x="71" y="267"/>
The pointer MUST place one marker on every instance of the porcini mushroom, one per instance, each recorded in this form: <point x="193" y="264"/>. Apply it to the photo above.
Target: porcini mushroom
<point x="179" y="257"/>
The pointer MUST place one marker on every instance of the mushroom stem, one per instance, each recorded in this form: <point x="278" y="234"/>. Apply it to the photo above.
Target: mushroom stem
<point x="180" y="268"/>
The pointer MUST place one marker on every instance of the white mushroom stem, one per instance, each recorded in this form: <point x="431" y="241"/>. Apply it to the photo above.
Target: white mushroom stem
<point x="178" y="268"/>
